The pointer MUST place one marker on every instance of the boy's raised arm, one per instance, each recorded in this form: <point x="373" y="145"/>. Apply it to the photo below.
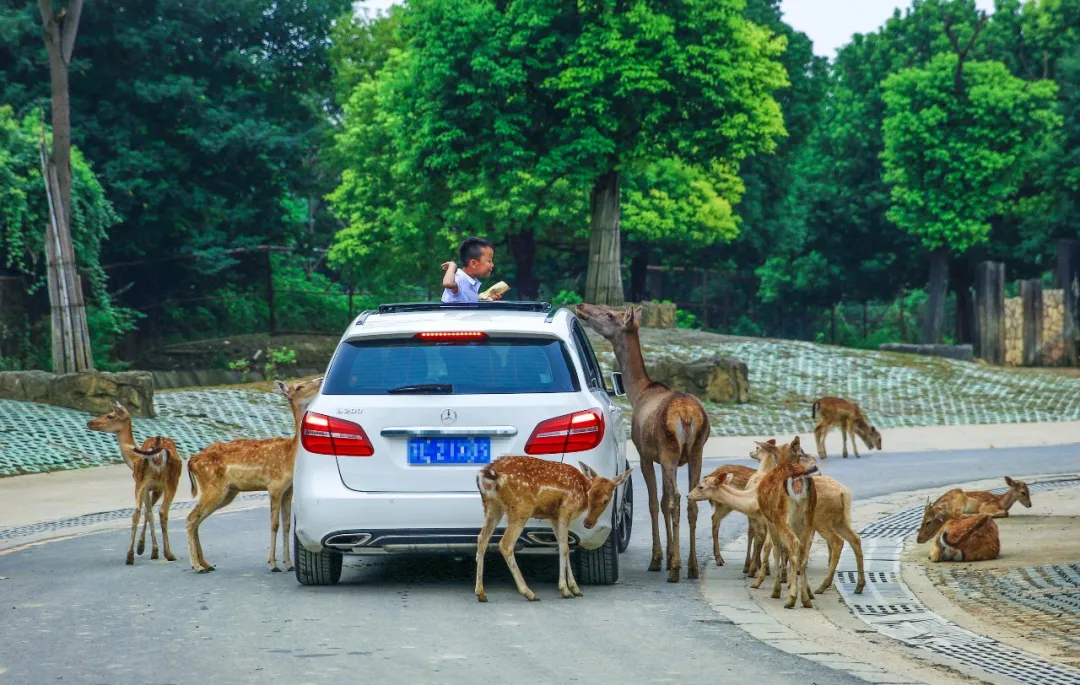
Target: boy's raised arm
<point x="449" y="280"/>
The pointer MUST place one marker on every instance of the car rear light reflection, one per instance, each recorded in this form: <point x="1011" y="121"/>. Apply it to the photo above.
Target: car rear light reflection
<point x="575" y="432"/>
<point x="451" y="336"/>
<point x="321" y="434"/>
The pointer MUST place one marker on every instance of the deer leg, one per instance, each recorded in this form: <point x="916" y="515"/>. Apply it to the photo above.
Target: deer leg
<point x="286" y="523"/>
<point x="836" y="546"/>
<point x="275" y="515"/>
<point x="794" y="556"/>
<point x="804" y="563"/>
<point x="566" y="581"/>
<point x="142" y="536"/>
<point x="717" y="517"/>
<point x="134" y="527"/>
<point x="819" y="437"/>
<point x="692" y="573"/>
<point x="778" y="560"/>
<point x="763" y="567"/>
<point x="163" y="519"/>
<point x="749" y="552"/>
<point x="843" y="434"/>
<point x="492" y="515"/>
<point x="673" y="512"/>
<point x="649" y="474"/>
<point x="506" y="546"/>
<point x="853" y="539"/>
<point x="149" y="514"/>
<point x="211" y="501"/>
<point x="854" y="442"/>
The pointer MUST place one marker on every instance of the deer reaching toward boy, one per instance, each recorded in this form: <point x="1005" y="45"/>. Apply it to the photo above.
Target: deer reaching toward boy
<point x="958" y="501"/>
<point x="157" y="482"/>
<point x="528" y="487"/>
<point x="958" y="537"/>
<point x="225" y="469"/>
<point x="668" y="428"/>
<point x="836" y="411"/>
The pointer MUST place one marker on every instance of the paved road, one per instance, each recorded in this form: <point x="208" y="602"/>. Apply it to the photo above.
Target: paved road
<point x="71" y="612"/>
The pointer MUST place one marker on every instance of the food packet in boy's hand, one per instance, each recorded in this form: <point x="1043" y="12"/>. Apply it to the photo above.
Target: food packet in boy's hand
<point x="497" y="289"/>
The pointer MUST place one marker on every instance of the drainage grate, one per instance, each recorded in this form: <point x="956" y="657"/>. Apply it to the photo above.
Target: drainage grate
<point x="888" y="605"/>
<point x="100" y="517"/>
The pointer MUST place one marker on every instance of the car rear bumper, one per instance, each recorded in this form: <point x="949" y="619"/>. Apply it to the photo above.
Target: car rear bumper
<point x="331" y="515"/>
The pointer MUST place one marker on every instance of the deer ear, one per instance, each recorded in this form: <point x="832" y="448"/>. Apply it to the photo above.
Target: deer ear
<point x="589" y="473"/>
<point x="1009" y="481"/>
<point x="282" y="388"/>
<point x="769" y="446"/>
<point x="795" y="445"/>
<point x="772" y="441"/>
<point x="622" y="477"/>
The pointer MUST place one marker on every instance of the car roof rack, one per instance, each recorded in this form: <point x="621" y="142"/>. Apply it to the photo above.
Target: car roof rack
<point x="507" y="306"/>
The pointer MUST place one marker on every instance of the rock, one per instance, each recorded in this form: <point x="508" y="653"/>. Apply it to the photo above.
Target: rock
<point x="657" y="315"/>
<point x="962" y="352"/>
<point x="718" y="379"/>
<point x="89" y="391"/>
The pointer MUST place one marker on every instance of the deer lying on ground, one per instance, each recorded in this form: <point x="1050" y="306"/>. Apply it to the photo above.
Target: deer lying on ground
<point x="668" y="428"/>
<point x="118" y="422"/>
<point x="958" y="501"/>
<point x="528" y="487"/>
<point x="836" y="411"/>
<point x="225" y="469"/>
<point x="959" y="537"/>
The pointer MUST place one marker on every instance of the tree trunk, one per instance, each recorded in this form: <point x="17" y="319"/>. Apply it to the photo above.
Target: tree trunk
<point x="990" y="291"/>
<point x="523" y="249"/>
<point x="603" y="284"/>
<point x="1068" y="278"/>
<point x="1031" y="298"/>
<point x="965" y="304"/>
<point x="934" y="319"/>
<point x="71" y="335"/>
<point x="639" y="272"/>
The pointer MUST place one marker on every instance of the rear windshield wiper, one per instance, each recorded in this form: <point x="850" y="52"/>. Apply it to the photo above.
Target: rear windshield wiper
<point x="422" y="388"/>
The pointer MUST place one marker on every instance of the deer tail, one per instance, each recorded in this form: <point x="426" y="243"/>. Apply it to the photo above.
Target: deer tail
<point x="487" y="480"/>
<point x="814" y="408"/>
<point x="191" y="478"/>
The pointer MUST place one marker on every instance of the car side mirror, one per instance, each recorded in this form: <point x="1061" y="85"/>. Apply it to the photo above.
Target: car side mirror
<point x="617" y="384"/>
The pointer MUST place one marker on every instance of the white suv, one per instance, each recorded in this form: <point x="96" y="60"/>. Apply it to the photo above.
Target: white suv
<point x="417" y="397"/>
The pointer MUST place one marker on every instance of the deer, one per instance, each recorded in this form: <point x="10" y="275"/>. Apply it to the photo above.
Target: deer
<point x="958" y="537"/>
<point x="162" y="486"/>
<point x="151" y="473"/>
<point x="225" y="469"/>
<point x="524" y="487"/>
<point x="837" y="411"/>
<point x="668" y="428"/>
<point x="958" y="501"/>
<point x="737" y="477"/>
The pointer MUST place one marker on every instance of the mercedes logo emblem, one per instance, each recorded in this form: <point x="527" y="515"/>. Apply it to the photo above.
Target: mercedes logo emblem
<point x="449" y="416"/>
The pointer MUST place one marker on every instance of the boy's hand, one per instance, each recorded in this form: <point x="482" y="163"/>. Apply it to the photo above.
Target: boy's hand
<point x="449" y="280"/>
<point x="495" y="296"/>
<point x="447" y="265"/>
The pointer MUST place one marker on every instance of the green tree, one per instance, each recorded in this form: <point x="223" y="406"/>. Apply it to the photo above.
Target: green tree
<point x="959" y="137"/>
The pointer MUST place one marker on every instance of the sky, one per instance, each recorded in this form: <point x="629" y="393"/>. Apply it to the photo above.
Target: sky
<point x="829" y="23"/>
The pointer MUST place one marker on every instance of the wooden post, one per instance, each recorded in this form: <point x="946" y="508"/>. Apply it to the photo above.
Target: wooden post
<point x="270" y="291"/>
<point x="990" y="293"/>
<point x="1031" y="296"/>
<point x="1068" y="278"/>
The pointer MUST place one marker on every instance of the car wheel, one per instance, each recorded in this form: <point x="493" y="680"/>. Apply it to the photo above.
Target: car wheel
<point x="600" y="566"/>
<point x="626" y="515"/>
<point x="323" y="568"/>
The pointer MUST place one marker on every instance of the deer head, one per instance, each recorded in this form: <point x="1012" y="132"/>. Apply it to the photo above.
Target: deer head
<point x="708" y="486"/>
<point x="610" y="322"/>
<point x="869" y="434"/>
<point x="299" y="393"/>
<point x="600" y="492"/>
<point x="934" y="517"/>
<point x="762" y="449"/>
<point x="1023" y="495"/>
<point x="113" y="422"/>
<point x="156" y="458"/>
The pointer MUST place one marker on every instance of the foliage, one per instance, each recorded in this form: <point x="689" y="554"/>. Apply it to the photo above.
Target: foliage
<point x="566" y="298"/>
<point x="276" y="359"/>
<point x="956" y="154"/>
<point x="685" y="319"/>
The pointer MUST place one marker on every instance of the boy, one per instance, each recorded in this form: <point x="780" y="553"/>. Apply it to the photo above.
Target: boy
<point x="463" y="285"/>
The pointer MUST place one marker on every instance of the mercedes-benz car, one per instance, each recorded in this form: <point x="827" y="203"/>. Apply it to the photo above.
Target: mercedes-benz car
<point x="417" y="398"/>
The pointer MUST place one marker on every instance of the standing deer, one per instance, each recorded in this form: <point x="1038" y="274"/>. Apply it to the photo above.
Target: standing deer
<point x="118" y="422"/>
<point x="738" y="477"/>
<point x="225" y="469"/>
<point x="151" y="473"/>
<point x="836" y="411"/>
<point x="959" y="537"/>
<point x="958" y="501"/>
<point x="668" y="428"/>
<point x="528" y="487"/>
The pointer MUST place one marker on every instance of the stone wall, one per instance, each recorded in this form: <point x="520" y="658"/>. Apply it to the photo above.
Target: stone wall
<point x="89" y="391"/>
<point x="1014" y="331"/>
<point x="656" y="315"/>
<point x="1053" y="351"/>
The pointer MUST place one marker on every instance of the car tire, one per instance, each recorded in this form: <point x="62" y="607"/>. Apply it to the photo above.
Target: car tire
<point x="323" y="568"/>
<point x="600" y="566"/>
<point x="626" y="515"/>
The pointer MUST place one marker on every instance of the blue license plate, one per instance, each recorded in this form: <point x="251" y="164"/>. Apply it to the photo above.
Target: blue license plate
<point x="423" y="451"/>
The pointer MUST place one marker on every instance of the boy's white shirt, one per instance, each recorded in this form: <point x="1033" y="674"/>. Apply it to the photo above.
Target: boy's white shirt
<point x="468" y="289"/>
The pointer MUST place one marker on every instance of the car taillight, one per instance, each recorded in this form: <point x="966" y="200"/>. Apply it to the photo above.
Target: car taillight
<point x="575" y="432"/>
<point x="320" y="434"/>
<point x="451" y="336"/>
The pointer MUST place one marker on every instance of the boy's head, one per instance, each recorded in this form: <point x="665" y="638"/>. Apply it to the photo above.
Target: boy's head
<point x="476" y="257"/>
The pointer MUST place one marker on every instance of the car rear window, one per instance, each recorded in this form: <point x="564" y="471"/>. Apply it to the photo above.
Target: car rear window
<point x="498" y="365"/>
